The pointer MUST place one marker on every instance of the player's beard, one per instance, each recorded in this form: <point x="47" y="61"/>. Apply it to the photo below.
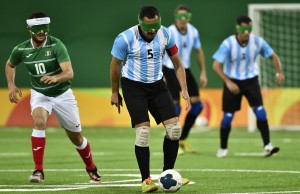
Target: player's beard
<point x="39" y="38"/>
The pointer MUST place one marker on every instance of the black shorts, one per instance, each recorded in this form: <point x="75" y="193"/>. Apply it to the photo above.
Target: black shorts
<point x="249" y="88"/>
<point x="143" y="97"/>
<point x="173" y="84"/>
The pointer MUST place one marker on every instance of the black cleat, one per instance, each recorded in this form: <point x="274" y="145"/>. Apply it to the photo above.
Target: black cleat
<point x="37" y="176"/>
<point x="94" y="176"/>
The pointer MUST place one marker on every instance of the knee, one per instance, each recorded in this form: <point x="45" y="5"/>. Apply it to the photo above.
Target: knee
<point x="142" y="136"/>
<point x="40" y="123"/>
<point x="260" y="113"/>
<point x="173" y="131"/>
<point x="196" y="108"/>
<point x="227" y="119"/>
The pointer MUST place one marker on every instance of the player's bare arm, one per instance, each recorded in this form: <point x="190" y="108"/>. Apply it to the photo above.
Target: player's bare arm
<point x="66" y="74"/>
<point x="10" y="71"/>
<point x="278" y="67"/>
<point x="217" y="67"/>
<point x="116" y="98"/>
<point x="180" y="73"/>
<point x="201" y="63"/>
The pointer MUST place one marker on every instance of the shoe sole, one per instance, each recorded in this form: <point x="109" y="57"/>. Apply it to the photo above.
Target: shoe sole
<point x="36" y="180"/>
<point x="95" y="182"/>
<point x="151" y="190"/>
<point x="273" y="151"/>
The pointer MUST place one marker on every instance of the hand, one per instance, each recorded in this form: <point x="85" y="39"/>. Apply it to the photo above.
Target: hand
<point x="116" y="99"/>
<point x="186" y="97"/>
<point x="233" y="88"/>
<point x="203" y="80"/>
<point x="279" y="78"/>
<point x="49" y="79"/>
<point x="12" y="95"/>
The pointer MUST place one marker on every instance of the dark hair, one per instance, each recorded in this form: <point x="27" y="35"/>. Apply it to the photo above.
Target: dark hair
<point x="149" y="12"/>
<point x="243" y="19"/>
<point x="181" y="7"/>
<point x="37" y="15"/>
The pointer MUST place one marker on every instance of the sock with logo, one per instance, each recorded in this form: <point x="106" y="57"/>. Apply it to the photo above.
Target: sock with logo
<point x="38" y="142"/>
<point x="85" y="152"/>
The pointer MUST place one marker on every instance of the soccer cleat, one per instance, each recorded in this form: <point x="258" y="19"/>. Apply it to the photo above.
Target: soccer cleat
<point x="185" y="181"/>
<point x="186" y="146"/>
<point x="180" y="151"/>
<point x="37" y="176"/>
<point x="222" y="153"/>
<point x="94" y="176"/>
<point x="148" y="185"/>
<point x="269" y="150"/>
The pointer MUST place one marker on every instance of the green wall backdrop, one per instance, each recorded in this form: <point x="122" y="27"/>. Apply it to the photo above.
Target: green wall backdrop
<point x="88" y="28"/>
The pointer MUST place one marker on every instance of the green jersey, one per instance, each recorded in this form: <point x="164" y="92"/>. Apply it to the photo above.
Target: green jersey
<point x="41" y="62"/>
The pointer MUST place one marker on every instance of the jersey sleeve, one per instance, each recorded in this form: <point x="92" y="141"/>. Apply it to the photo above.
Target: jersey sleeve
<point x="171" y="40"/>
<point x="61" y="52"/>
<point x="221" y="54"/>
<point x="120" y="48"/>
<point x="15" y="56"/>
<point x="266" y="50"/>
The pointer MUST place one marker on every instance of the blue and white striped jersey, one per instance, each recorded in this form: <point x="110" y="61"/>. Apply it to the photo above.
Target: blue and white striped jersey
<point x="239" y="62"/>
<point x="185" y="44"/>
<point x="142" y="61"/>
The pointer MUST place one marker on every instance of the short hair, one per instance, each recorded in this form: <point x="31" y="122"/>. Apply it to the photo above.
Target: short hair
<point x="149" y="12"/>
<point x="182" y="7"/>
<point x="37" y="15"/>
<point x="243" y="19"/>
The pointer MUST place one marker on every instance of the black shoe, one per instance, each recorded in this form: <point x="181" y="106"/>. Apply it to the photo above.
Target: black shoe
<point x="94" y="176"/>
<point x="37" y="176"/>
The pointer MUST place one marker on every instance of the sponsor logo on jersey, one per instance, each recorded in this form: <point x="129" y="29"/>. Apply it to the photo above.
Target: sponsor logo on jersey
<point x="27" y="56"/>
<point x="48" y="53"/>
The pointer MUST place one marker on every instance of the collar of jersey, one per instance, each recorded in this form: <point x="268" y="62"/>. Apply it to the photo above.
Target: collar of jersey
<point x="43" y="44"/>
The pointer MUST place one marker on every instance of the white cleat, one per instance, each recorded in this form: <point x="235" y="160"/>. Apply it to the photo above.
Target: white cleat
<point x="269" y="150"/>
<point x="222" y="153"/>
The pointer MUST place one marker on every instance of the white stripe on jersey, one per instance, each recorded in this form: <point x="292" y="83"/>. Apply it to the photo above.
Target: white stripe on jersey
<point x="144" y="60"/>
<point x="185" y="44"/>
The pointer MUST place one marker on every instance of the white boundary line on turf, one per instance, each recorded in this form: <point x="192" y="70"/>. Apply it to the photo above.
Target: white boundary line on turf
<point x="159" y="170"/>
<point x="266" y="192"/>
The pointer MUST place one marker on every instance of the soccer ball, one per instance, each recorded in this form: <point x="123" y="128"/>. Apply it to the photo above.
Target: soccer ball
<point x="170" y="181"/>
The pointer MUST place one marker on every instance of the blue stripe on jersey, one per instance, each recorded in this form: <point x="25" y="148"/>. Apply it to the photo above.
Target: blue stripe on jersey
<point x="247" y="60"/>
<point x="228" y="63"/>
<point x="130" y="58"/>
<point x="143" y="61"/>
<point x="156" y="52"/>
<point x="188" y="47"/>
<point x="180" y="44"/>
<point x="238" y="61"/>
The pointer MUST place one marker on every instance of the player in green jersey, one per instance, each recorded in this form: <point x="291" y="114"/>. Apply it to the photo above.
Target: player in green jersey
<point x="50" y="70"/>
